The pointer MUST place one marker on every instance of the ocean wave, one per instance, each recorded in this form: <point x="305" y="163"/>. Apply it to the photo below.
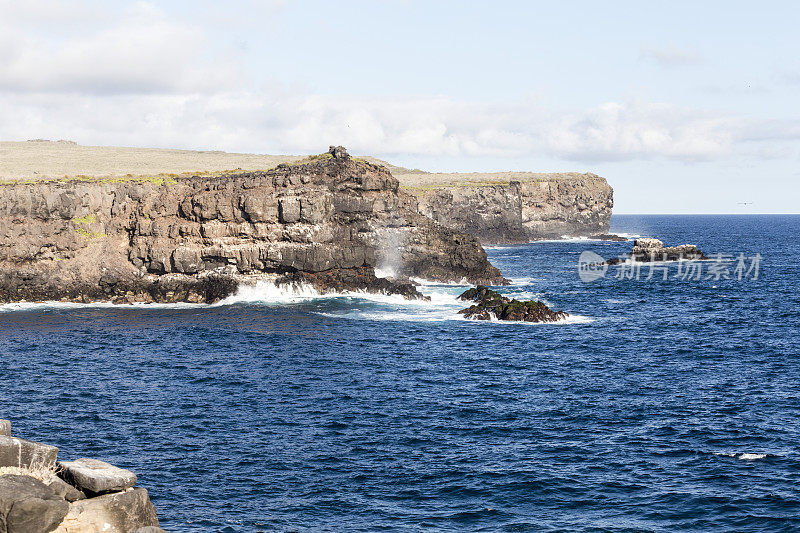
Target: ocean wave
<point x="265" y="292"/>
<point x="442" y="303"/>
<point x="745" y="456"/>
<point x="430" y="283"/>
<point x="566" y="239"/>
<point x="55" y="305"/>
<point x="569" y="320"/>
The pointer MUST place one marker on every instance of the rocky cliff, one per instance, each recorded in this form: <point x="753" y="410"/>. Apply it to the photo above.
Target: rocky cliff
<point x="328" y="220"/>
<point x="524" y="208"/>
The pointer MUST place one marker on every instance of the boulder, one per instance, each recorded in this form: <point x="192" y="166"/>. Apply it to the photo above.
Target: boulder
<point x="94" y="476"/>
<point x="150" y="529"/>
<point x="65" y="490"/>
<point x="5" y="427"/>
<point x="119" y="512"/>
<point x="650" y="250"/>
<point x="648" y="243"/>
<point x="491" y="304"/>
<point x="29" y="506"/>
<point x="25" y="453"/>
<point x="609" y="237"/>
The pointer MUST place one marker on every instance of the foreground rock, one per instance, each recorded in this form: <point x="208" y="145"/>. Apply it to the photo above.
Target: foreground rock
<point x="328" y="220"/>
<point x="649" y="250"/>
<point x="119" y="512"/>
<point x="25" y="453"/>
<point x="94" y="476"/>
<point x="28" y="505"/>
<point x="493" y="305"/>
<point x="525" y="209"/>
<point x="33" y="499"/>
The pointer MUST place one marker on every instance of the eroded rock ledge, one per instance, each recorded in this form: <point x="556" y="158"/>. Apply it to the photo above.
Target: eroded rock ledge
<point x="526" y="208"/>
<point x="38" y="494"/>
<point x="328" y="220"/>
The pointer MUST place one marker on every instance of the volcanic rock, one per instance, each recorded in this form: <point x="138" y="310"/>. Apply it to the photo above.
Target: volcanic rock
<point x="491" y="304"/>
<point x="197" y="238"/>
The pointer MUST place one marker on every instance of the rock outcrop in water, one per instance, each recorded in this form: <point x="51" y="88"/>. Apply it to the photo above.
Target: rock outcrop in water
<point x="491" y="304"/>
<point x="649" y="250"/>
<point x="328" y="220"/>
<point x="38" y="495"/>
<point x="545" y="207"/>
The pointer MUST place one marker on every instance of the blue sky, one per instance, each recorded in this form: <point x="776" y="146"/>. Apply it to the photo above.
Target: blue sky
<point x="684" y="107"/>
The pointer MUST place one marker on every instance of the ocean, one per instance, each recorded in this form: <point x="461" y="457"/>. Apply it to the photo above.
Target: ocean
<point x="659" y="405"/>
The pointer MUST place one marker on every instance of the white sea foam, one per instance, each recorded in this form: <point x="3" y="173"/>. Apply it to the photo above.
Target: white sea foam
<point x="430" y="283"/>
<point x="53" y="305"/>
<point x="566" y="239"/>
<point x="266" y="292"/>
<point x="269" y="293"/>
<point x="752" y="456"/>
<point x="743" y="456"/>
<point x="442" y="303"/>
<point x="523" y="281"/>
<point x="385" y="273"/>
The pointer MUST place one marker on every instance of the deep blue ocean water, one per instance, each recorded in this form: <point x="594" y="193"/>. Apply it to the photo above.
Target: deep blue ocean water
<point x="659" y="406"/>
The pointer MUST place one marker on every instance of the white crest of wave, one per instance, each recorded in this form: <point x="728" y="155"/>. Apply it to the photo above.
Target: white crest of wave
<point x="743" y="456"/>
<point x="269" y="292"/>
<point x="752" y="456"/>
<point x="43" y="306"/>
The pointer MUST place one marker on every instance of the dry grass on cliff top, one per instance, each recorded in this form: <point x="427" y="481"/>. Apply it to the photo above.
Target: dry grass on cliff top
<point x="56" y="160"/>
<point x="44" y="473"/>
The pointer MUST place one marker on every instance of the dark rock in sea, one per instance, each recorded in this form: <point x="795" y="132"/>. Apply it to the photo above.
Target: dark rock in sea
<point x="29" y="506"/>
<point x="328" y="218"/>
<point x="354" y="279"/>
<point x="26" y="453"/>
<point x="609" y="237"/>
<point x="491" y="304"/>
<point x="650" y="250"/>
<point x="94" y="476"/>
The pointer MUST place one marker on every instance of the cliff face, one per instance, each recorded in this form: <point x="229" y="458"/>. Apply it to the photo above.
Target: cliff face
<point x="329" y="221"/>
<point x="522" y="211"/>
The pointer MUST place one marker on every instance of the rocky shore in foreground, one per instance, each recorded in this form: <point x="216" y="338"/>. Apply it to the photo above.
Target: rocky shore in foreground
<point x="39" y="494"/>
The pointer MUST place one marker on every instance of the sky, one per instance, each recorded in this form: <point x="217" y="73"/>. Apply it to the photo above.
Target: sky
<point x="685" y="107"/>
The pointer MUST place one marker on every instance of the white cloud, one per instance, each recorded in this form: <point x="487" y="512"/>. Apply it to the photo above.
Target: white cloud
<point x="136" y="51"/>
<point x="670" y="56"/>
<point x="297" y="123"/>
<point x="137" y="77"/>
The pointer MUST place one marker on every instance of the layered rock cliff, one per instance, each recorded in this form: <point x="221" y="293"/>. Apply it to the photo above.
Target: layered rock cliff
<point x="523" y="209"/>
<point x="328" y="220"/>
